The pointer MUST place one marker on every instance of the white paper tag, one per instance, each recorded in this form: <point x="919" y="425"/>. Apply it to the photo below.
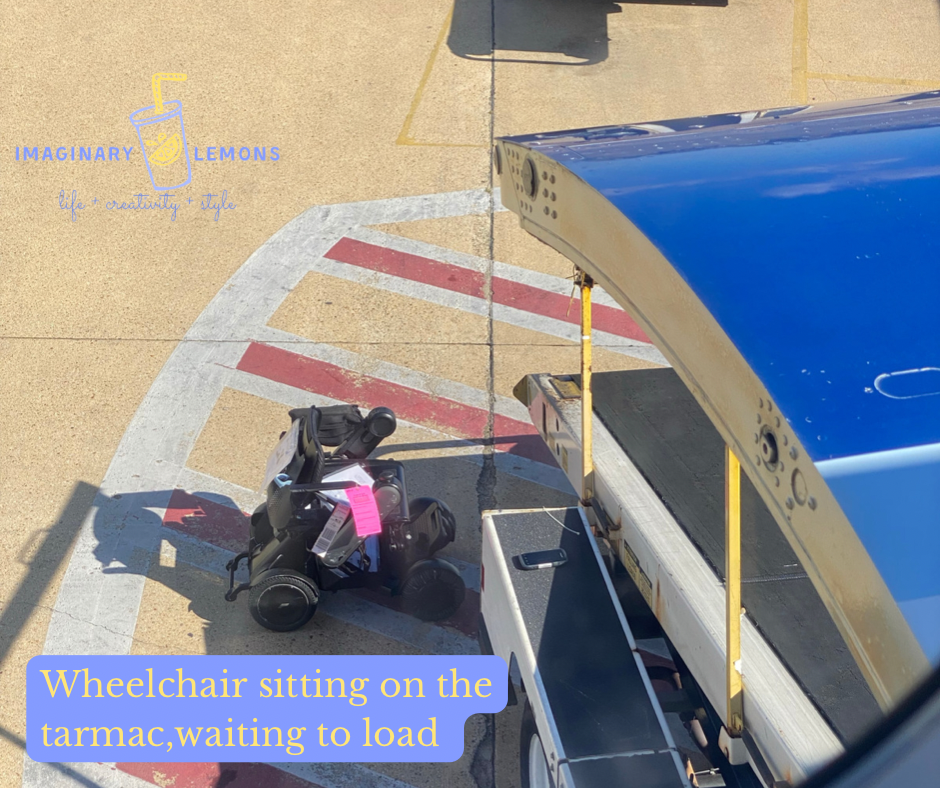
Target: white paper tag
<point x="354" y="473"/>
<point x="282" y="455"/>
<point x="328" y="534"/>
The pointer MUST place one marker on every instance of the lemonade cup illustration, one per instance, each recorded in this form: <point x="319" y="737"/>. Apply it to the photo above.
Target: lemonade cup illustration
<point x="163" y="139"/>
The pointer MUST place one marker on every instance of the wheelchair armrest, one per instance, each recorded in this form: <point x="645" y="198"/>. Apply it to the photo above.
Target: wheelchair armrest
<point x="306" y="492"/>
<point x="320" y="486"/>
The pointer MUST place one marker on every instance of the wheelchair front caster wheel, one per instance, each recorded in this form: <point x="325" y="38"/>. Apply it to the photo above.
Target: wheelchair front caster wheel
<point x="433" y="590"/>
<point x="283" y="600"/>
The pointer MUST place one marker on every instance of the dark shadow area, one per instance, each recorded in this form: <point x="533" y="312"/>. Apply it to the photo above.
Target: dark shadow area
<point x="204" y="530"/>
<point x="529" y="446"/>
<point x="574" y="29"/>
<point x="50" y="548"/>
<point x="567" y="28"/>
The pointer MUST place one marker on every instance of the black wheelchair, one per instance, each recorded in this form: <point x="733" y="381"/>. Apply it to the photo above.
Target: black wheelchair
<point x="303" y="539"/>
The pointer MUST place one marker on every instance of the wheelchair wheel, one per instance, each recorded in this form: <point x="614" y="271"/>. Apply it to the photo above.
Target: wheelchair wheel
<point x="433" y="590"/>
<point x="283" y="600"/>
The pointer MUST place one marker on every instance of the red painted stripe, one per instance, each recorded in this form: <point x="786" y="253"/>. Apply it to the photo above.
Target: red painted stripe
<point x="463" y="280"/>
<point x="408" y="266"/>
<point x="562" y="307"/>
<point x="213" y="775"/>
<point x="454" y="418"/>
<point x="208" y="521"/>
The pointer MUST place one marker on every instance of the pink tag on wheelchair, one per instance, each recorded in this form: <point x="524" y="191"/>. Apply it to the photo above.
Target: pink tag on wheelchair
<point x="364" y="511"/>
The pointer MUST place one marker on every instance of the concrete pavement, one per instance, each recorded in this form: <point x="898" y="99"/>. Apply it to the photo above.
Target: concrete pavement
<point x="148" y="355"/>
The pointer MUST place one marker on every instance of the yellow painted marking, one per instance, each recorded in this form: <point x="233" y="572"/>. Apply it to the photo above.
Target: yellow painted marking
<point x="587" y="399"/>
<point x="799" y="92"/>
<point x="155" y="81"/>
<point x="735" y="718"/>
<point x="404" y="136"/>
<point x="914" y="83"/>
<point x="418" y="143"/>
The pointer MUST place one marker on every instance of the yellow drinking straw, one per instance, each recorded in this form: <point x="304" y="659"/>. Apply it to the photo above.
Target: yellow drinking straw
<point x="155" y="84"/>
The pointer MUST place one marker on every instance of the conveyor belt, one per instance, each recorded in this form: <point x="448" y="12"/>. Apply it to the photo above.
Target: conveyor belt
<point x="669" y="438"/>
<point x="593" y="685"/>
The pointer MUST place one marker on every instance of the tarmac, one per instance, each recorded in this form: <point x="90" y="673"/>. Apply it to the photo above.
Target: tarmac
<point x="148" y="356"/>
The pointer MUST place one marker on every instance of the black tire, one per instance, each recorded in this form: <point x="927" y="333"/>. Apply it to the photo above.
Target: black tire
<point x="433" y="590"/>
<point x="528" y="740"/>
<point x="283" y="600"/>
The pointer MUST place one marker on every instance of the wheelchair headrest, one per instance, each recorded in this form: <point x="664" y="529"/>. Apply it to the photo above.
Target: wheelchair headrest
<point x="344" y="429"/>
<point x="338" y="423"/>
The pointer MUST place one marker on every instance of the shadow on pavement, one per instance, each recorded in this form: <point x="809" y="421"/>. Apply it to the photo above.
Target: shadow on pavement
<point x="200" y="531"/>
<point x="575" y="29"/>
<point x="44" y="555"/>
<point x="190" y="544"/>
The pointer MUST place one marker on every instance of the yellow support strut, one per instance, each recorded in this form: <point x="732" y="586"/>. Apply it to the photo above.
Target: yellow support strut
<point x="735" y="718"/>
<point x="587" y="399"/>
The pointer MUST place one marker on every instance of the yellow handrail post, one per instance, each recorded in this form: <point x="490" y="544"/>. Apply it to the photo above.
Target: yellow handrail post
<point x="587" y="400"/>
<point x="735" y="718"/>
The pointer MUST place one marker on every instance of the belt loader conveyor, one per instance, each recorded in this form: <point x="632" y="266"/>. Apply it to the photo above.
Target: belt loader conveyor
<point x="733" y="241"/>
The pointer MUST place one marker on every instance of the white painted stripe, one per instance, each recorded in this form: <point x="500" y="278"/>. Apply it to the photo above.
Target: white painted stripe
<point x="219" y="491"/>
<point x="96" y="612"/>
<point x="479" y="306"/>
<point x="406" y="287"/>
<point x="510" y="464"/>
<point x="79" y="775"/>
<point x="178" y="548"/>
<point x="572" y="332"/>
<point x="397" y="375"/>
<point x="167" y="423"/>
<point x="255" y="291"/>
<point x="514" y="273"/>
<point x="401" y="244"/>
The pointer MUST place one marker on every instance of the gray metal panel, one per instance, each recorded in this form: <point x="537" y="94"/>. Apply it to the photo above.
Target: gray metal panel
<point x="592" y="682"/>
